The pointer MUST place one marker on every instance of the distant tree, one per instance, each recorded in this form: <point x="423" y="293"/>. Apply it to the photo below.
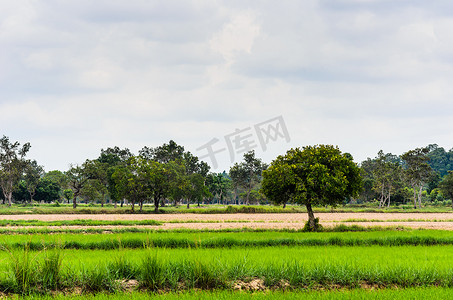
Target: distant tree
<point x="114" y="156"/>
<point x="440" y="160"/>
<point x="98" y="183"/>
<point x="446" y="186"/>
<point x="219" y="185"/>
<point x="112" y="159"/>
<point x="418" y="172"/>
<point x="387" y="173"/>
<point x="47" y="190"/>
<point x="60" y="178"/>
<point x="11" y="165"/>
<point x="68" y="194"/>
<point x="163" y="154"/>
<point x="313" y="175"/>
<point x="142" y="179"/>
<point x="77" y="179"/>
<point x="247" y="173"/>
<point x="32" y="175"/>
<point x="196" y="190"/>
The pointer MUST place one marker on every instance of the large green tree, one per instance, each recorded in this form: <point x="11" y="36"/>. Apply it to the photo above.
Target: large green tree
<point x="313" y="175"/>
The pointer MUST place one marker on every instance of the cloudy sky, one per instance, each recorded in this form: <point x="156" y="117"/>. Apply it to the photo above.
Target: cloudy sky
<point x="78" y="76"/>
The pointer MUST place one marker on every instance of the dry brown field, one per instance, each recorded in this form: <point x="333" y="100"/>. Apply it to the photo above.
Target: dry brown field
<point x="271" y="220"/>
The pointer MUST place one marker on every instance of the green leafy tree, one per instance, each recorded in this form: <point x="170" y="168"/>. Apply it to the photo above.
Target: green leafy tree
<point x="418" y="172"/>
<point x="98" y="183"/>
<point x="47" y="190"/>
<point x="219" y="185"/>
<point x="32" y="175"/>
<point x="112" y="159"/>
<point x="247" y="174"/>
<point x="313" y="175"/>
<point x="163" y="154"/>
<point x="77" y="180"/>
<point x="387" y="173"/>
<point x="195" y="189"/>
<point x="12" y="164"/>
<point x="60" y="178"/>
<point x="68" y="194"/>
<point x="446" y="186"/>
<point x="132" y="181"/>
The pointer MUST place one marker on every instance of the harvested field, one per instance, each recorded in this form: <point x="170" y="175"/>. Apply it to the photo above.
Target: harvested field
<point x="275" y="221"/>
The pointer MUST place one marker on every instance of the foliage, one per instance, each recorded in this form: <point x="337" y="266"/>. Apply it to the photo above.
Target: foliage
<point x="12" y="164"/>
<point x="418" y="172"/>
<point x="77" y="180"/>
<point x="313" y="175"/>
<point x="32" y="175"/>
<point x="247" y="174"/>
<point x="446" y="185"/>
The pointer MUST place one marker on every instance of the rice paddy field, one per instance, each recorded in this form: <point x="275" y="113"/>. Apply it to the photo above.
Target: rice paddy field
<point x="118" y="256"/>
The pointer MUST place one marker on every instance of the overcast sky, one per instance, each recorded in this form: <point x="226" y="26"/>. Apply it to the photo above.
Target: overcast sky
<point x="78" y="76"/>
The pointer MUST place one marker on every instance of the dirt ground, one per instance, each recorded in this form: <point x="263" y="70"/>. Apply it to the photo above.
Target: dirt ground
<point x="275" y="221"/>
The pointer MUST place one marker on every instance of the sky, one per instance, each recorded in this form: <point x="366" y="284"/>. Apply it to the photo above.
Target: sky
<point x="225" y="76"/>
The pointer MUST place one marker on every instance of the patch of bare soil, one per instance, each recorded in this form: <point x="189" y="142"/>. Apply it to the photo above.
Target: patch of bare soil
<point x="252" y="286"/>
<point x="271" y="221"/>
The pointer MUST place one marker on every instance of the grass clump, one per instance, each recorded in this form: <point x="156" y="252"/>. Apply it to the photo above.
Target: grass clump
<point x="51" y="270"/>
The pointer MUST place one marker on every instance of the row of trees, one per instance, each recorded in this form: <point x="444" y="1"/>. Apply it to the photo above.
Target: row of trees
<point x="417" y="172"/>
<point x="169" y="174"/>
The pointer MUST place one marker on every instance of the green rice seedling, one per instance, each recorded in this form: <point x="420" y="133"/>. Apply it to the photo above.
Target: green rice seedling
<point x="122" y="268"/>
<point x="51" y="269"/>
<point x="98" y="279"/>
<point x="22" y="265"/>
<point x="152" y="273"/>
<point x="202" y="275"/>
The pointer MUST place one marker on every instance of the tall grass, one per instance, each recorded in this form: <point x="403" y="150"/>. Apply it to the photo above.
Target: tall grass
<point x="226" y="240"/>
<point x="185" y="269"/>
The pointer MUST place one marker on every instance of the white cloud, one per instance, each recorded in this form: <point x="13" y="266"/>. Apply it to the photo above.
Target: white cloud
<point x="236" y="37"/>
<point x="77" y="76"/>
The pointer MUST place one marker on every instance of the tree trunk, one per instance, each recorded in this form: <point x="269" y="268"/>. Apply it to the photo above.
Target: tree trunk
<point x="74" y="202"/>
<point x="156" y="205"/>
<point x="284" y="205"/>
<point x="10" y="197"/>
<point x="141" y="206"/>
<point x="388" y="205"/>
<point x="311" y="217"/>
<point x="415" y="196"/>
<point x="420" y="196"/>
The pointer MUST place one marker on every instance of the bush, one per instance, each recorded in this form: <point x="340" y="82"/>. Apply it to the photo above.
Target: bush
<point x="307" y="228"/>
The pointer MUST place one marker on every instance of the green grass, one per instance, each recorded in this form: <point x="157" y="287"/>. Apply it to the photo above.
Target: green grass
<point x="394" y="220"/>
<point x="410" y="293"/>
<point x="206" y="209"/>
<point x="226" y="239"/>
<point x="208" y="260"/>
<point x="300" y="267"/>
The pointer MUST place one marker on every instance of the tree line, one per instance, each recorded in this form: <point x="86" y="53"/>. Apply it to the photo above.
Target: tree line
<point x="419" y="174"/>
<point x="168" y="174"/>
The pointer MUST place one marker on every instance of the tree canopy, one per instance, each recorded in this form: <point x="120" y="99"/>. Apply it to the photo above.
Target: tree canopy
<point x="313" y="175"/>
